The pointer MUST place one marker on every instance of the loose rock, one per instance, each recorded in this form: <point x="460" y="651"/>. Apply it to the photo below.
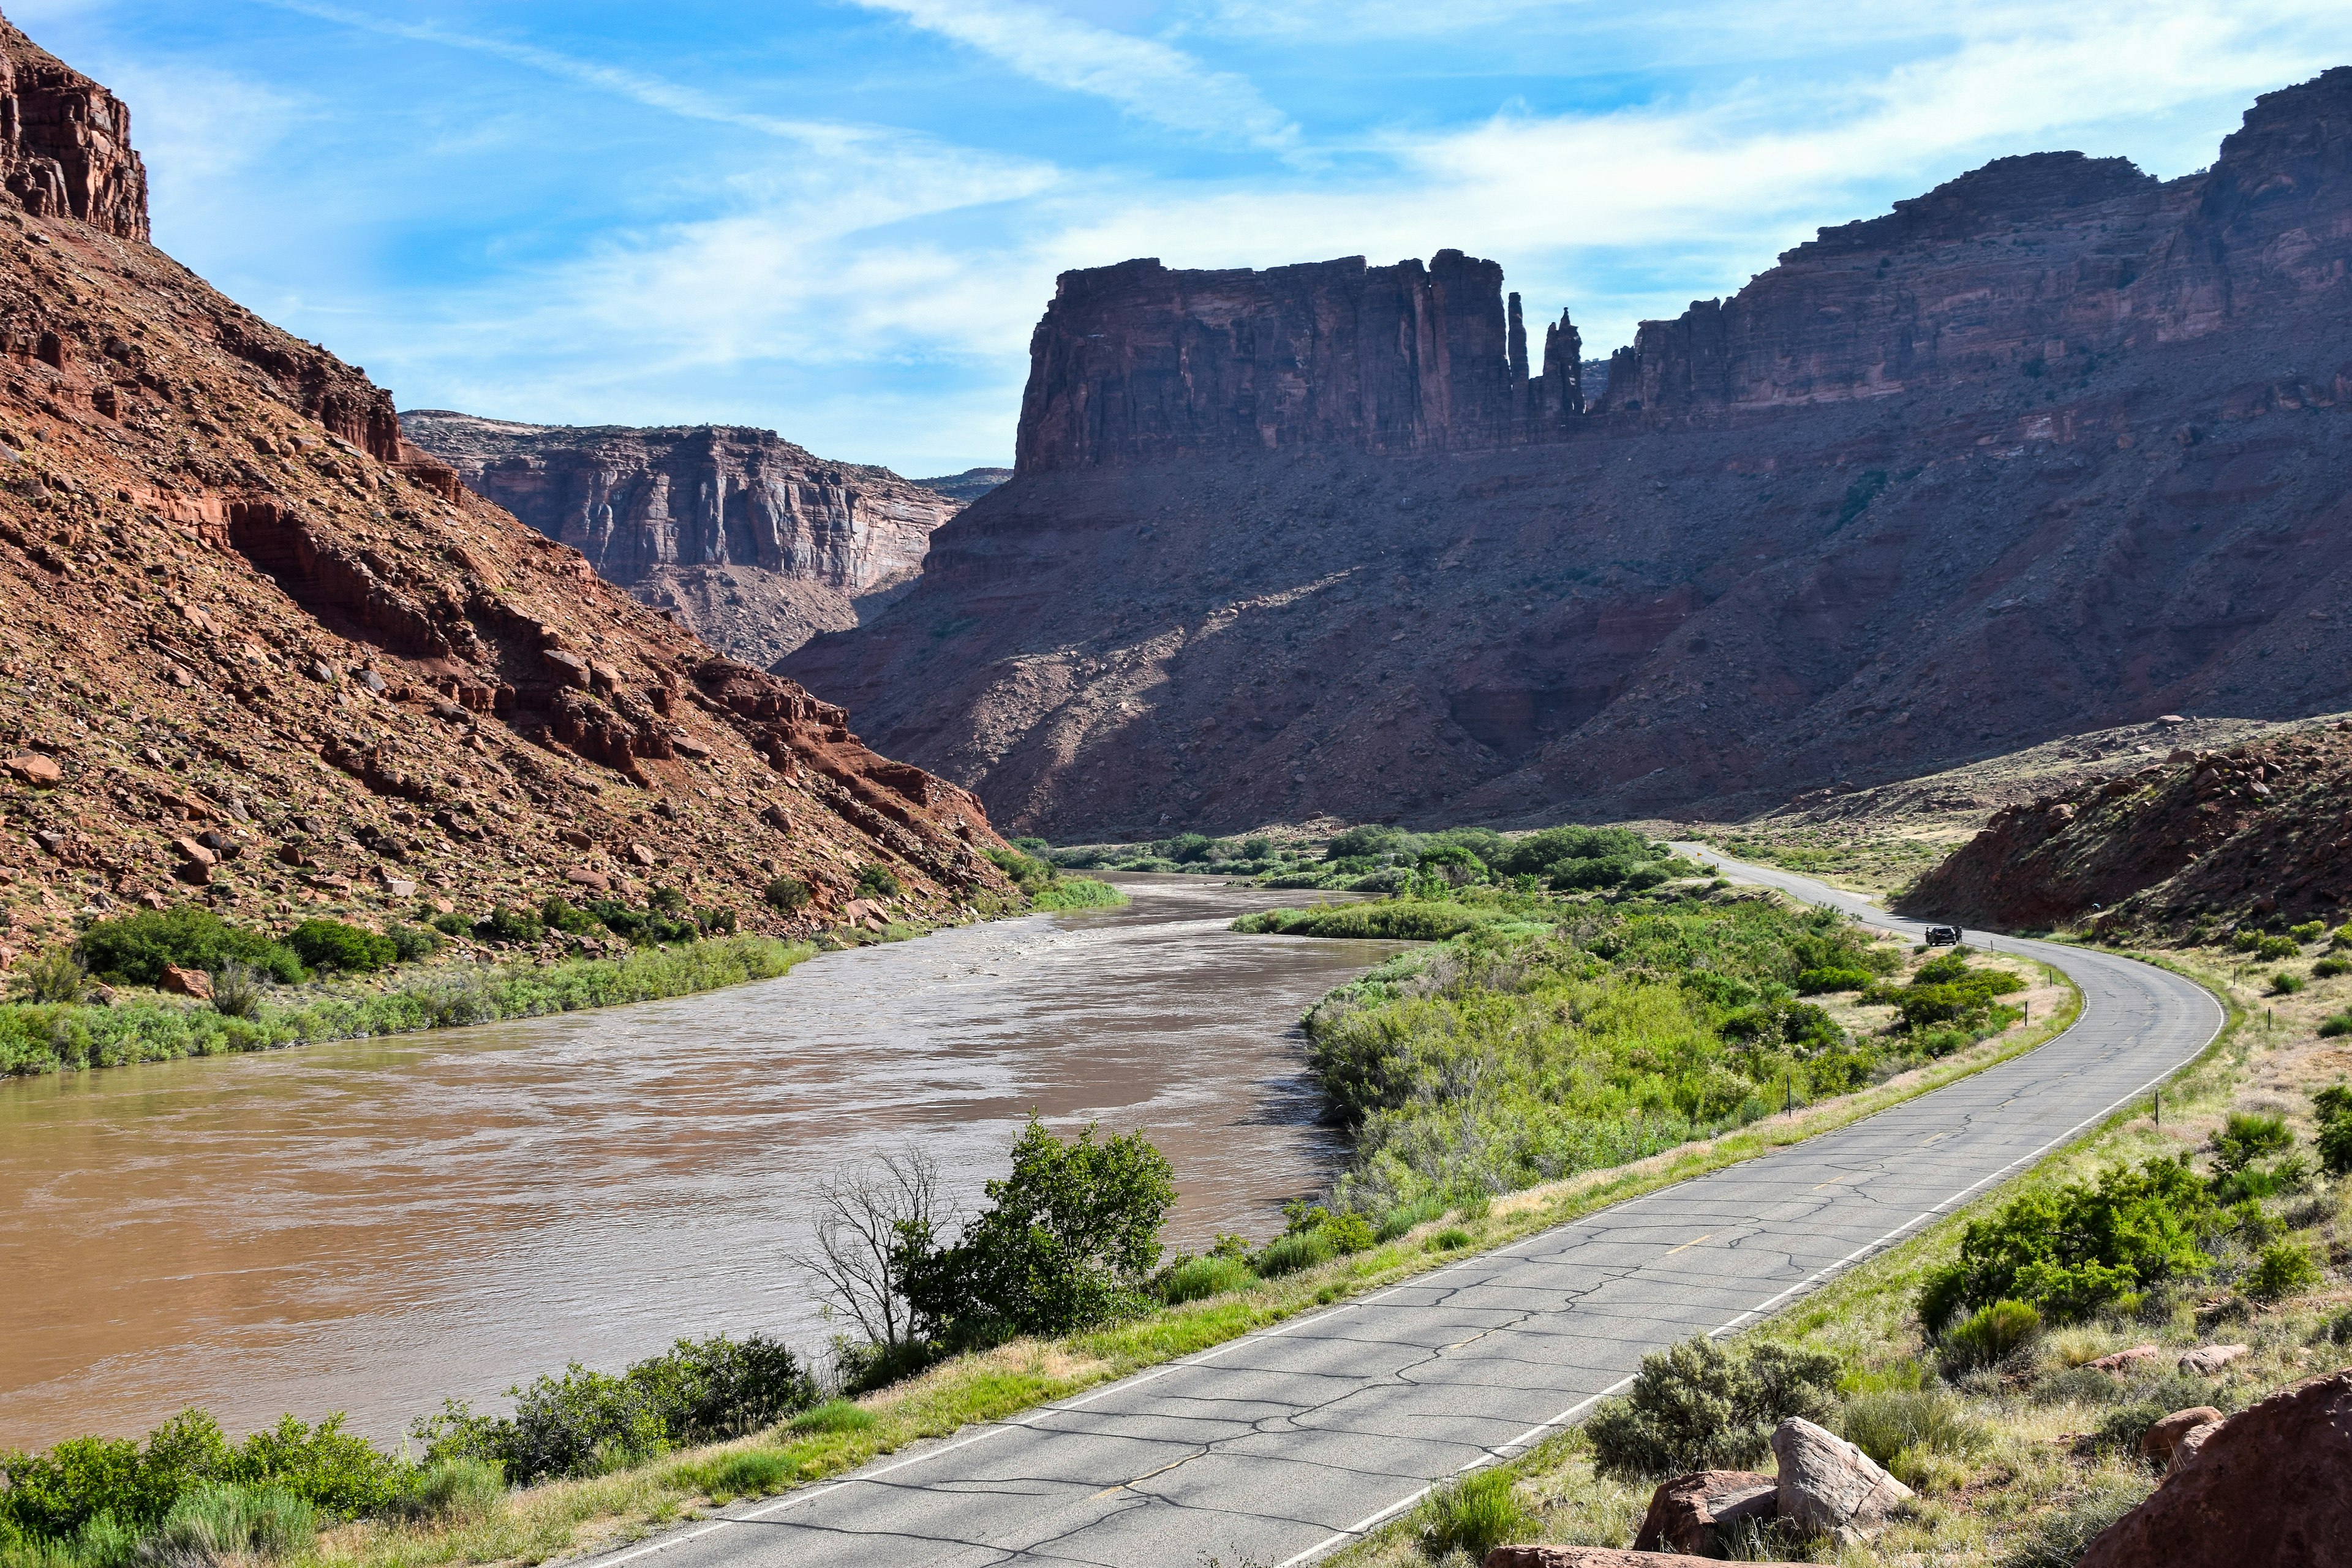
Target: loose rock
<point x="2207" y="1359"/>
<point x="1688" y="1513"/>
<point x="2127" y="1361"/>
<point x="32" y="768"/>
<point x="1827" y="1485"/>
<point x="2164" y="1437"/>
<point x="2267" y="1487"/>
<point x="192" y="982"/>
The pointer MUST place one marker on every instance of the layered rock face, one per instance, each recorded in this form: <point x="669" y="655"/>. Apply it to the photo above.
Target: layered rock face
<point x="64" y="142"/>
<point x="252" y="650"/>
<point x="2055" y="448"/>
<point x="754" y="544"/>
<point x="1139" y="363"/>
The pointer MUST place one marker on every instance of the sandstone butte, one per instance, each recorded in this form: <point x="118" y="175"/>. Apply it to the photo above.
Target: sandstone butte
<point x="2054" y="447"/>
<point x="751" y="543"/>
<point x="237" y="609"/>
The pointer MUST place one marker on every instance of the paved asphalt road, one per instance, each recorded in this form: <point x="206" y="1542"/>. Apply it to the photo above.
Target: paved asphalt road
<point x="1276" y="1448"/>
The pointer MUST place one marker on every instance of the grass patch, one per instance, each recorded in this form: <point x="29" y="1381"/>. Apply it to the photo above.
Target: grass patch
<point x="38" y="1038"/>
<point x="1078" y="893"/>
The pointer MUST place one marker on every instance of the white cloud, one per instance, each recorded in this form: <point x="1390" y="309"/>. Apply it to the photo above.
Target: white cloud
<point x="1145" y="77"/>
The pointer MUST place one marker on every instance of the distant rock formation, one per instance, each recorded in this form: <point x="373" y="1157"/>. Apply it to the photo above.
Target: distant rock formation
<point x="2054" y="447"/>
<point x="967" y="486"/>
<point x="751" y="541"/>
<point x="1139" y="363"/>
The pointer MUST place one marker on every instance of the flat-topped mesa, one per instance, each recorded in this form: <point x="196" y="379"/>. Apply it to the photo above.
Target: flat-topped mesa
<point x="64" y="142"/>
<point x="1137" y="363"/>
<point x="2034" y="267"/>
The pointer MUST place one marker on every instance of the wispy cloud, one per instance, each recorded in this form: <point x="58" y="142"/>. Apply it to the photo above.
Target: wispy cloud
<point x="1145" y="77"/>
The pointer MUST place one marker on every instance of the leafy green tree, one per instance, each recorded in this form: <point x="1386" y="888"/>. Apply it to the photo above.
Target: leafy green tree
<point x="135" y="948"/>
<point x="333" y="945"/>
<point x="1070" y="1239"/>
<point x="1701" y="1406"/>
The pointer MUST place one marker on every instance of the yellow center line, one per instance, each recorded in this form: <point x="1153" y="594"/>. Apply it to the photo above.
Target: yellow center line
<point x="1686" y="1245"/>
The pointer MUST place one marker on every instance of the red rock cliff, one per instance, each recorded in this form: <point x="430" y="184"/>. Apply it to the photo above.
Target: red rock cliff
<point x="64" y="142"/>
<point x="1136" y="362"/>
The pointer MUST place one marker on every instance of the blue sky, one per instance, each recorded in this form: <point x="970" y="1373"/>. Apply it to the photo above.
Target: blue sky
<point x="841" y="220"/>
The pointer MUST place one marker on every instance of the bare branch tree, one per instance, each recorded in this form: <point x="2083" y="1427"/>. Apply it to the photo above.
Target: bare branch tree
<point x="864" y="1219"/>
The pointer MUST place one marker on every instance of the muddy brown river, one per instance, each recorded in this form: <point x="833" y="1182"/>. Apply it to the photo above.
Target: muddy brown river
<point x="369" y="1227"/>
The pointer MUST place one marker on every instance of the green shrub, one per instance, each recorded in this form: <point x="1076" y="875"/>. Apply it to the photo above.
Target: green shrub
<point x="1471" y="1514"/>
<point x="587" y="1423"/>
<point x="53" y="1494"/>
<point x="451" y="925"/>
<point x="412" y="943"/>
<point x="1196" y="1279"/>
<point x="2270" y="948"/>
<point x="1402" y="1217"/>
<point x="559" y="913"/>
<point x="1078" y="893"/>
<point x="1885" y="1423"/>
<point x="135" y="949"/>
<point x="2334" y="1108"/>
<point x="1701" y="1405"/>
<point x="833" y="1416"/>
<point x="2335" y="1024"/>
<point x="1452" y="1240"/>
<point x="787" y="894"/>
<point x="1816" y="982"/>
<point x="2286" y="1268"/>
<point x="2330" y="968"/>
<point x="455" y="1491"/>
<point x="504" y="924"/>
<point x="2309" y="931"/>
<point x="2068" y="1250"/>
<point x="878" y="881"/>
<point x="1069" y="1240"/>
<point x="333" y="945"/>
<point x="1991" y="1336"/>
<point x="55" y="976"/>
<point x="2246" y="1137"/>
<point x="2286" y="984"/>
<point x="1349" y="1233"/>
<point x="1289" y="1254"/>
<point x="1396" y="919"/>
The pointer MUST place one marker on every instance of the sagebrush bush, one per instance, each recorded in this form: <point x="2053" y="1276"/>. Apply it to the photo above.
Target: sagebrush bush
<point x="213" y="1526"/>
<point x="878" y="881"/>
<point x="788" y="894"/>
<point x="55" y="976"/>
<point x="1701" y="1404"/>
<point x="1990" y="1335"/>
<point x="1887" y="1421"/>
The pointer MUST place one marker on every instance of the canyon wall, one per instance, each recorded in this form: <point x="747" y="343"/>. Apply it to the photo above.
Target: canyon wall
<point x="2053" y="447"/>
<point x="64" y="142"/>
<point x="752" y="542"/>
<point x="256" y="650"/>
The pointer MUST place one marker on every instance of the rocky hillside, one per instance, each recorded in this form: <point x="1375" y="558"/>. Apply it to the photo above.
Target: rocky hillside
<point x="750" y="541"/>
<point x="254" y="648"/>
<point x="2056" y="447"/>
<point x="2262" y="832"/>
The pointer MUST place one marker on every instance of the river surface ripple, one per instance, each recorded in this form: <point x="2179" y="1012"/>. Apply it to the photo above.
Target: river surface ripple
<point x="371" y="1225"/>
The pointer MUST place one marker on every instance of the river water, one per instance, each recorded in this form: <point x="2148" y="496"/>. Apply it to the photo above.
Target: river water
<point x="372" y="1225"/>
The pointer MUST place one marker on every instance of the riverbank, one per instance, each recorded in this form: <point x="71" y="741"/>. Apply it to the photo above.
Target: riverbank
<point x="570" y="1517"/>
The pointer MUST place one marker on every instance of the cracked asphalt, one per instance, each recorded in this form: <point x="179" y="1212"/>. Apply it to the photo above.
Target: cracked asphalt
<point x="1274" y="1448"/>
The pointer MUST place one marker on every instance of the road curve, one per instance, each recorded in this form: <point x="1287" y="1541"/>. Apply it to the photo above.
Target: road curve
<point x="1286" y="1443"/>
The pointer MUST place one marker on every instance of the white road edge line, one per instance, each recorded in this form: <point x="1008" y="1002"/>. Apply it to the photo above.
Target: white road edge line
<point x="1488" y="1457"/>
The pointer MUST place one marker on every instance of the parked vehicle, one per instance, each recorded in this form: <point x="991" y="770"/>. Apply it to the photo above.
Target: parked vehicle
<point x="1943" y="936"/>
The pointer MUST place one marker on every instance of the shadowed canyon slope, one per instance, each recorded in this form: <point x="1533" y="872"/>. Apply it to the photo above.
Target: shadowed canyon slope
<point x="2054" y="447"/>
<point x="251" y="642"/>
<point x="752" y="543"/>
